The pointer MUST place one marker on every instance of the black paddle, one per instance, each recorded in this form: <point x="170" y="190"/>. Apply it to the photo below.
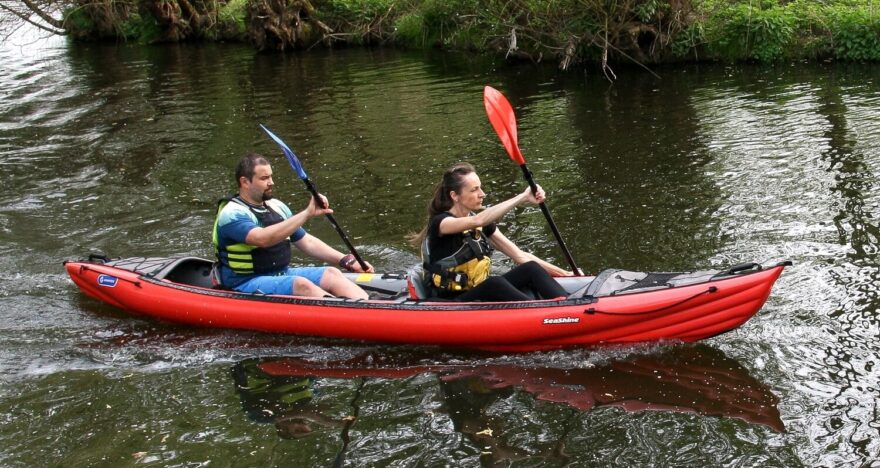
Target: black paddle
<point x="297" y="167"/>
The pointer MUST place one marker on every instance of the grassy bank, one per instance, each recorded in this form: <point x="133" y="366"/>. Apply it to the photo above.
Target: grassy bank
<point x="565" y="31"/>
<point x="773" y="30"/>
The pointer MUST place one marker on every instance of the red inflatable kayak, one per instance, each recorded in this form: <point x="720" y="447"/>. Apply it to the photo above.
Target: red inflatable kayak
<point x="615" y="306"/>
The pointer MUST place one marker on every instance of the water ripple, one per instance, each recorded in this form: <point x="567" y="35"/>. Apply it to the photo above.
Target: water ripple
<point x="125" y="149"/>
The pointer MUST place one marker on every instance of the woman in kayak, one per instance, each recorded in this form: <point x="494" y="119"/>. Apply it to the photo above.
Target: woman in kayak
<point x="457" y="244"/>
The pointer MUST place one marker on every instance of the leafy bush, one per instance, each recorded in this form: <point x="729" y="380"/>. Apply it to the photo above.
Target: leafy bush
<point x="354" y="11"/>
<point x="645" y="11"/>
<point x="443" y="20"/>
<point x="409" y="30"/>
<point x="855" y="34"/>
<point x="141" y="28"/>
<point x="234" y="13"/>
<point x="77" y="21"/>
<point x="687" y="42"/>
<point x="767" y="30"/>
<point x="743" y="31"/>
<point x="568" y="30"/>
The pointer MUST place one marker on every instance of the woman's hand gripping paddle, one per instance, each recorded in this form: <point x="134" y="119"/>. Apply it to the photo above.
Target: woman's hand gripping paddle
<point x="297" y="167"/>
<point x="504" y="122"/>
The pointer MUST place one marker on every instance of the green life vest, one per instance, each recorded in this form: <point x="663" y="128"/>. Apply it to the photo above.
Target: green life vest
<point x="244" y="259"/>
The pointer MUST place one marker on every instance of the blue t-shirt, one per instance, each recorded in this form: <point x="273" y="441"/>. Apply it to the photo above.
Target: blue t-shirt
<point x="234" y="223"/>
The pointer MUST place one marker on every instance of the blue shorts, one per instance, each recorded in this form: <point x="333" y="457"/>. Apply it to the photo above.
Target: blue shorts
<point x="281" y="282"/>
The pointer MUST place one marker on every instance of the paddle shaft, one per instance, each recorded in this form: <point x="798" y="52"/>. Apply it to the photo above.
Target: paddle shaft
<point x="311" y="187"/>
<point x="546" y="211"/>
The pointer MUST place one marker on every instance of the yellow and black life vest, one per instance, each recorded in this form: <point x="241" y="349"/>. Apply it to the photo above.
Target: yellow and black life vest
<point x="466" y="268"/>
<point x="244" y="259"/>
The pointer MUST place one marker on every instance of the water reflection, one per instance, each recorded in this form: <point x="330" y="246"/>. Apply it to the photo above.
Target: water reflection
<point x="686" y="379"/>
<point x="282" y="400"/>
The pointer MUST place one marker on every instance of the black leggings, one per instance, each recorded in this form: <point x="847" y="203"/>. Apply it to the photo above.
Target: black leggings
<point x="510" y="286"/>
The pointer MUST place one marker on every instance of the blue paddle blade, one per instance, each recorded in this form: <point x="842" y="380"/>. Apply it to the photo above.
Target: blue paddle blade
<point x="291" y="157"/>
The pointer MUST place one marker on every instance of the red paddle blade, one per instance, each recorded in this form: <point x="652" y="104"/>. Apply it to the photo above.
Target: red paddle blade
<point x="503" y="121"/>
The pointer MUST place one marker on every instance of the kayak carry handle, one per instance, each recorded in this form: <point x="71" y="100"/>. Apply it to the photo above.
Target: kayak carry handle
<point x="743" y="267"/>
<point x="98" y="258"/>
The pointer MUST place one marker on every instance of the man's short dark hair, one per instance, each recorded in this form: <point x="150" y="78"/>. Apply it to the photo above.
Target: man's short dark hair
<point x="247" y="165"/>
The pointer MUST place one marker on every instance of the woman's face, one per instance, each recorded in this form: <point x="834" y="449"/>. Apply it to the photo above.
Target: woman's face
<point x="471" y="195"/>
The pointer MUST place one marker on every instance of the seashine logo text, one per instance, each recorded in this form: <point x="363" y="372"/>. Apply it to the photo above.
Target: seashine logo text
<point x="554" y="321"/>
<point x="107" y="280"/>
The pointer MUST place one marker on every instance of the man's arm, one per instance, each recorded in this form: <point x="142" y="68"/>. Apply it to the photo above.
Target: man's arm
<point x="271" y="235"/>
<point x="318" y="249"/>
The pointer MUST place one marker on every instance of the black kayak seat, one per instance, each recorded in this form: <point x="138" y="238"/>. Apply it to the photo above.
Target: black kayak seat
<point x="193" y="271"/>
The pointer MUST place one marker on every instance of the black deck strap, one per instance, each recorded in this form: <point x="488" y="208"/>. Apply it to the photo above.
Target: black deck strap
<point x="710" y="289"/>
<point x="650" y="281"/>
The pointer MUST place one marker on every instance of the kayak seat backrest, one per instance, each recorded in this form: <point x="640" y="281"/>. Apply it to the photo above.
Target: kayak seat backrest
<point x="215" y="277"/>
<point x="192" y="271"/>
<point x="416" y="286"/>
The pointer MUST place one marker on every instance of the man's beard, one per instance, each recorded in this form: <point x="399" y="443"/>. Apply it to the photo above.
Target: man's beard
<point x="267" y="195"/>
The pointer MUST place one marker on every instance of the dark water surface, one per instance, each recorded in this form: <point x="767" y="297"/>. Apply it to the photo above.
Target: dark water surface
<point x="124" y="150"/>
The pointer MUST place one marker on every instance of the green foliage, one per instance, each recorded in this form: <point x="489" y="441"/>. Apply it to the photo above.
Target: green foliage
<point x="685" y="44"/>
<point x="759" y="30"/>
<point x="646" y="10"/>
<point x="77" y="21"/>
<point x="451" y="22"/>
<point x="409" y="30"/>
<point x="234" y="13"/>
<point x="354" y="11"/>
<point x="142" y="28"/>
<point x="772" y="34"/>
<point x="855" y="34"/>
<point x="744" y="31"/>
<point x="469" y="36"/>
<point x="767" y="30"/>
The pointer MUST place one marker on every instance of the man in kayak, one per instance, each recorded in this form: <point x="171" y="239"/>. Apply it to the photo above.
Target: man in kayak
<point x="252" y="237"/>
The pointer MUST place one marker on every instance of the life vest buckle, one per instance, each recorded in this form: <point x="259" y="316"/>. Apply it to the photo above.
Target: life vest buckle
<point x="460" y="278"/>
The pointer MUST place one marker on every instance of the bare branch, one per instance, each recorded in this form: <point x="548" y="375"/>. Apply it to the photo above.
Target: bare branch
<point x="45" y="16"/>
<point x="608" y="45"/>
<point x="54" y="27"/>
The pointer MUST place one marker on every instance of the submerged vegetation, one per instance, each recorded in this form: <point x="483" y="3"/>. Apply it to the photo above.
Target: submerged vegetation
<point x="566" y="31"/>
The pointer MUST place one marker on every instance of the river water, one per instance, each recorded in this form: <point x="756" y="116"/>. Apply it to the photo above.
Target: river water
<point x="123" y="150"/>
